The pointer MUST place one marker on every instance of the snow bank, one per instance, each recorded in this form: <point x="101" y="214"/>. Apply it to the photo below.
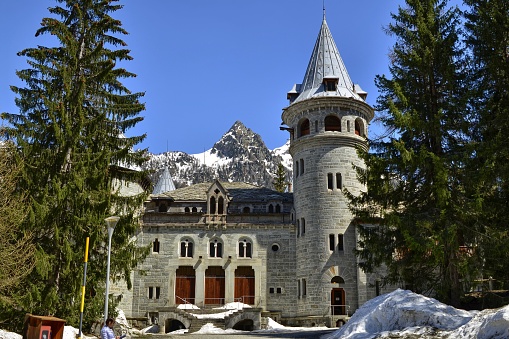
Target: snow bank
<point x="488" y="324"/>
<point x="9" y="335"/>
<point x="399" y="310"/>
<point x="233" y="306"/>
<point x="211" y="329"/>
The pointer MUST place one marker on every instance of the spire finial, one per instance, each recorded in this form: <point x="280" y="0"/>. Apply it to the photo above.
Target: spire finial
<point x="323" y="2"/>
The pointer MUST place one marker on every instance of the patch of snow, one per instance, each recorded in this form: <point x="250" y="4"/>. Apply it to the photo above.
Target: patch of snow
<point x="9" y="335"/>
<point x="71" y="333"/>
<point x="233" y="306"/>
<point x="188" y="307"/>
<point x="211" y="329"/>
<point x="487" y="324"/>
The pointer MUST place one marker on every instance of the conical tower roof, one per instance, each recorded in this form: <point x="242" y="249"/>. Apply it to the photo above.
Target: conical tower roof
<point x="326" y="63"/>
<point x="165" y="183"/>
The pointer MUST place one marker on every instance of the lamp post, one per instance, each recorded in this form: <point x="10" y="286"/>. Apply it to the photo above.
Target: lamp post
<point x="111" y="222"/>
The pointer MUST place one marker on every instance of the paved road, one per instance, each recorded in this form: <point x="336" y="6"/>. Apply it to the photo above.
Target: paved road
<point x="248" y="335"/>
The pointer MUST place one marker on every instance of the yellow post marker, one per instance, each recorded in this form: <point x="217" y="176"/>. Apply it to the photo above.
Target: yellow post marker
<point x="83" y="288"/>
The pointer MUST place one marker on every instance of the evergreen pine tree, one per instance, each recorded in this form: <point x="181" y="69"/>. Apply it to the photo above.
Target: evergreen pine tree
<point x="280" y="183"/>
<point x="16" y="248"/>
<point x="414" y="175"/>
<point x="487" y="29"/>
<point x="73" y="112"/>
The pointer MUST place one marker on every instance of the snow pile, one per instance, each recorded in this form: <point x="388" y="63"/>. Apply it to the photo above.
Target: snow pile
<point x="188" y="307"/>
<point x="233" y="306"/>
<point x="71" y="333"/>
<point x="9" y="335"/>
<point x="400" y="310"/>
<point x="488" y="324"/>
<point x="211" y="329"/>
<point x="272" y="325"/>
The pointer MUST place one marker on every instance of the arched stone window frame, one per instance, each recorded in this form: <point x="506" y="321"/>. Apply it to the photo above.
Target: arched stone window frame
<point x="186" y="247"/>
<point x="360" y="127"/>
<point x="245" y="248"/>
<point x="332" y="123"/>
<point x="303" y="127"/>
<point x="216" y="248"/>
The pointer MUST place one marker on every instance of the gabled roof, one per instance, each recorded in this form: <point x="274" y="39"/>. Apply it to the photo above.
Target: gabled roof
<point x="165" y="183"/>
<point x="325" y="63"/>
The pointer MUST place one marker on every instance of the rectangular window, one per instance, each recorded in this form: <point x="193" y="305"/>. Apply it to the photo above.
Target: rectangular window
<point x="158" y="292"/>
<point x="298" y="288"/>
<point x="155" y="246"/>
<point x="303" y="226"/>
<point x="298" y="228"/>
<point x="338" y="181"/>
<point x="329" y="181"/>
<point x="271" y="290"/>
<point x="150" y="292"/>
<point x="340" y="242"/>
<point x="304" y="287"/>
<point x="301" y="166"/>
<point x="331" y="242"/>
<point x="296" y="168"/>
<point x="279" y="290"/>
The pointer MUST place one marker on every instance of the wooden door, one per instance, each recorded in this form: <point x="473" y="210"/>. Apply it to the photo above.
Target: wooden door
<point x="214" y="285"/>
<point x="338" y="301"/>
<point x="185" y="283"/>
<point x="245" y="284"/>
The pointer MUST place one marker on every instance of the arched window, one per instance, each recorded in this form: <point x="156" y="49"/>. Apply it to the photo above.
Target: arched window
<point x="187" y="210"/>
<point x="271" y="208"/>
<point x="220" y="205"/>
<point x="212" y="205"/>
<point x="245" y="249"/>
<point x="186" y="248"/>
<point x="359" y="127"/>
<point x="246" y="210"/>
<point x="155" y="246"/>
<point x="215" y="249"/>
<point x="278" y="208"/>
<point x="304" y="128"/>
<point x="332" y="123"/>
<point x="194" y="210"/>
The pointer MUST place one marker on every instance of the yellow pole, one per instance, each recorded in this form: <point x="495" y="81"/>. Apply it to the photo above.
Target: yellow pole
<point x="83" y="288"/>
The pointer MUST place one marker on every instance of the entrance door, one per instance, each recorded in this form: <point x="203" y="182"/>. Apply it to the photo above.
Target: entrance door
<point x="245" y="284"/>
<point x="185" y="285"/>
<point x="214" y="285"/>
<point x="338" y="301"/>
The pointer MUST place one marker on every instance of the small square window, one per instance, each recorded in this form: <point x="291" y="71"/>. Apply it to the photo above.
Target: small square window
<point x="271" y="290"/>
<point x="279" y="290"/>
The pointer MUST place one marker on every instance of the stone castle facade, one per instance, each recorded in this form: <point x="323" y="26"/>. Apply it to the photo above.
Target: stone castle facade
<point x="287" y="255"/>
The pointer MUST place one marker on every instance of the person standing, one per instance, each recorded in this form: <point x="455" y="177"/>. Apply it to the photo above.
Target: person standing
<point x="107" y="330"/>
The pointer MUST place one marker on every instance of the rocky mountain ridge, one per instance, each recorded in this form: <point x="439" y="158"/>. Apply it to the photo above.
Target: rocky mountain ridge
<point x="240" y="155"/>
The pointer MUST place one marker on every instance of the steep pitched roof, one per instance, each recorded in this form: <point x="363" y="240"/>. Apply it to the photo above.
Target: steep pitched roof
<point x="165" y="183"/>
<point x="237" y="191"/>
<point x="325" y="63"/>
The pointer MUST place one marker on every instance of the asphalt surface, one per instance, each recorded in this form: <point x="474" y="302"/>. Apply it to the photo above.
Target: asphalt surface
<point x="303" y="334"/>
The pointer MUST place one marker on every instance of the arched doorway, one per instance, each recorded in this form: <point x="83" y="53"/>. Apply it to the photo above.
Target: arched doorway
<point x="245" y="284"/>
<point x="214" y="285"/>
<point x="185" y="283"/>
<point x="173" y="325"/>
<point x="338" y="306"/>
<point x="244" y="325"/>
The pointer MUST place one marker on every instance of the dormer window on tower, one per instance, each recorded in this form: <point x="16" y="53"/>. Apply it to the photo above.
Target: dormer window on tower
<point x="330" y="83"/>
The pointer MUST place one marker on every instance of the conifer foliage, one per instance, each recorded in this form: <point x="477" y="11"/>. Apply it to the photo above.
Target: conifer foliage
<point x="280" y="183"/>
<point x="414" y="175"/>
<point x="73" y="111"/>
<point x="487" y="28"/>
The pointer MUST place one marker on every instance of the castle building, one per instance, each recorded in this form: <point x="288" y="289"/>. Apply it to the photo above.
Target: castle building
<point x="287" y="255"/>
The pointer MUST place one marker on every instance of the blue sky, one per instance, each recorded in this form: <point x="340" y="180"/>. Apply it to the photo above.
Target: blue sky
<point x="205" y="64"/>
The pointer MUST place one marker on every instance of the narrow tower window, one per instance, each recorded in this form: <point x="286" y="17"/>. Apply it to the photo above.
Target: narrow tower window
<point x="304" y="128"/>
<point x="331" y="242"/>
<point x="155" y="246"/>
<point x="301" y="166"/>
<point x="297" y="168"/>
<point x="341" y="246"/>
<point x="339" y="184"/>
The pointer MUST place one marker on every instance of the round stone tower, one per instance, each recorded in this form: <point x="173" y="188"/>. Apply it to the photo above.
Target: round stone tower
<point x="327" y="119"/>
